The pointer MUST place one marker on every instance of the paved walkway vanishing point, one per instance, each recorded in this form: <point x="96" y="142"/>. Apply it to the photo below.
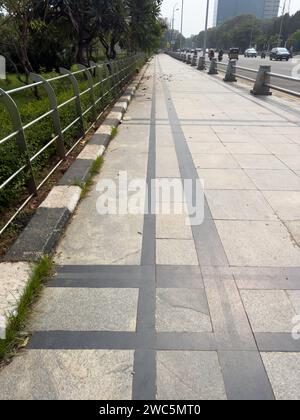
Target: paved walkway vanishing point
<point x="146" y="307"/>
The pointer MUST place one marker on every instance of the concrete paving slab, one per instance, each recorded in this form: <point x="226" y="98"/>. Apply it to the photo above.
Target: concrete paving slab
<point x="285" y="203"/>
<point x="270" y="139"/>
<point x="235" y="137"/>
<point x="259" y="162"/>
<point x="68" y="375"/>
<point x="189" y="376"/>
<point x="173" y="227"/>
<point x="269" y="180"/>
<point x="227" y="179"/>
<point x="284" y="149"/>
<point x="294" y="229"/>
<point x="291" y="161"/>
<point x="203" y="137"/>
<point x="284" y="374"/>
<point x="167" y="163"/>
<point x="268" y="310"/>
<point x="239" y="205"/>
<point x="246" y="149"/>
<point x="121" y="246"/>
<point x="212" y="161"/>
<point x="86" y="309"/>
<point x="258" y="244"/>
<point x="211" y="148"/>
<point x="294" y="296"/>
<point x="176" y="252"/>
<point x="182" y="310"/>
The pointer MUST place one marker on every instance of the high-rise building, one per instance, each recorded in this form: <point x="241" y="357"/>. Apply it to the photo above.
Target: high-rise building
<point x="227" y="9"/>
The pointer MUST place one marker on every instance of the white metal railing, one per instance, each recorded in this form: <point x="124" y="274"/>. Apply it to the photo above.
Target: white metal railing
<point x="116" y="75"/>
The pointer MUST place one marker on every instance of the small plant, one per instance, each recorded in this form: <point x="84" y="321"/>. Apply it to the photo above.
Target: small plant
<point x="114" y="132"/>
<point x="16" y="321"/>
<point x="94" y="170"/>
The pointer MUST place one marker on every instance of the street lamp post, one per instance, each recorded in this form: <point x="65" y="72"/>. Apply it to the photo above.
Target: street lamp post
<point x="206" y="28"/>
<point x="173" y="19"/>
<point x="181" y="26"/>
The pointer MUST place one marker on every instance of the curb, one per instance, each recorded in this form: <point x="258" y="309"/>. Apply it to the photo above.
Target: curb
<point x="47" y="225"/>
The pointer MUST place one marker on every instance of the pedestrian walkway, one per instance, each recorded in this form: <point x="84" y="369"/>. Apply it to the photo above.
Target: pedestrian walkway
<point x="150" y="307"/>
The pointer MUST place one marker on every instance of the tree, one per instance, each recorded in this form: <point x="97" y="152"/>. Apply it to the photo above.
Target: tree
<point x="294" y="40"/>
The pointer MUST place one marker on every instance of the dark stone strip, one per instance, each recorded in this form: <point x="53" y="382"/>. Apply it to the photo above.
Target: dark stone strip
<point x="278" y="342"/>
<point x="144" y="380"/>
<point x="144" y="377"/>
<point x="100" y="276"/>
<point x="118" y="271"/>
<point x="122" y="340"/>
<point x="244" y="376"/>
<point x="92" y="283"/>
<point x="86" y="340"/>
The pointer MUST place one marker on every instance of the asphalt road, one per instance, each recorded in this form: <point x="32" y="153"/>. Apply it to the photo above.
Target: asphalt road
<point x="287" y="68"/>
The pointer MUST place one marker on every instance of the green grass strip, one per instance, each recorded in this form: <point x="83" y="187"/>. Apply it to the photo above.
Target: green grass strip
<point x="16" y="322"/>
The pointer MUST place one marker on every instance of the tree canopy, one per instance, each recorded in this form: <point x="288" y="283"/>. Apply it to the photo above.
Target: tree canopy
<point x="245" y="30"/>
<point x="46" y="34"/>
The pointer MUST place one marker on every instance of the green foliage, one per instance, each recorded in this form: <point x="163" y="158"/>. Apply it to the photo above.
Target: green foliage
<point x="41" y="35"/>
<point x="16" y="322"/>
<point x="295" y="40"/>
<point x="245" y="30"/>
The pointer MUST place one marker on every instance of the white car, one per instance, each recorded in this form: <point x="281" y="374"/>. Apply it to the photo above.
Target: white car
<point x="251" y="52"/>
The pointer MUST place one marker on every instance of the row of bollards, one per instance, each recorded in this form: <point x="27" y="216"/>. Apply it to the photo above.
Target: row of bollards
<point x="261" y="84"/>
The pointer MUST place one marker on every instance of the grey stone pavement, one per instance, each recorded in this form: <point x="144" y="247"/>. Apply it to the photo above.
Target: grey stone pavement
<point x="150" y="307"/>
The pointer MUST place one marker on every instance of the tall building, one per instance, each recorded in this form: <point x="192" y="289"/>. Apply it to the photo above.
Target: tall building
<point x="227" y="9"/>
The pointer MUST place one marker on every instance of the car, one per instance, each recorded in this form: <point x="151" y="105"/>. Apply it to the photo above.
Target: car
<point x="280" y="54"/>
<point x="251" y="52"/>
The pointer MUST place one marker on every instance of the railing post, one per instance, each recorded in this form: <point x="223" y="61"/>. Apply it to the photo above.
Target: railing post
<point x="262" y="80"/>
<point x="189" y="59"/>
<point x="213" y="68"/>
<point x="77" y="95"/>
<point x="231" y="72"/>
<point x="201" y="63"/>
<point x="16" y="121"/>
<point x="99" y="80"/>
<point x="91" y="87"/>
<point x="55" y="114"/>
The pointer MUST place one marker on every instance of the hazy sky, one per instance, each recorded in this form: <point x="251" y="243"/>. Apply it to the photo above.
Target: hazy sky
<point x="194" y="13"/>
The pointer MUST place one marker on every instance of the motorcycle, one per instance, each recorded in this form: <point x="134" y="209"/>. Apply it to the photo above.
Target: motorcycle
<point x="211" y="55"/>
